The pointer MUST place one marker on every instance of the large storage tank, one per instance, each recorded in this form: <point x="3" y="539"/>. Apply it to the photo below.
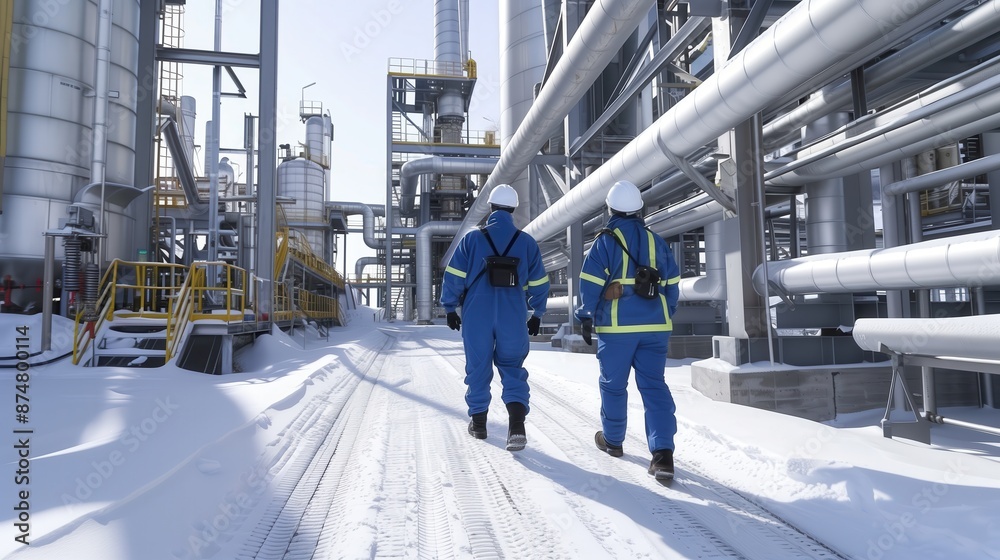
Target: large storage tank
<point x="303" y="180"/>
<point x="49" y="126"/>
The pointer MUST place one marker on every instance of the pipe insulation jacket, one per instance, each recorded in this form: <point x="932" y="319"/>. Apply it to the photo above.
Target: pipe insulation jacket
<point x="368" y="213"/>
<point x="966" y="260"/>
<point x="411" y="171"/>
<point x="972" y="338"/>
<point x="812" y="36"/>
<point x="934" y="119"/>
<point x="425" y="234"/>
<point x="955" y="35"/>
<point x="604" y="30"/>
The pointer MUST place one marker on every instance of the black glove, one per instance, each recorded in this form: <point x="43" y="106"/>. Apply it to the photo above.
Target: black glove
<point x="587" y="325"/>
<point x="534" y="323"/>
<point x="454" y="322"/>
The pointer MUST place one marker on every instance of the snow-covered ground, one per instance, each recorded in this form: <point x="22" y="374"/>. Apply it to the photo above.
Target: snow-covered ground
<point x="356" y="447"/>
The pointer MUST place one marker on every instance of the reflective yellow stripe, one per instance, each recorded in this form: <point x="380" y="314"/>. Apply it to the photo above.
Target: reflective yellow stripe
<point x="626" y="281"/>
<point x="591" y="278"/>
<point x="674" y="280"/>
<point x="621" y="238"/>
<point x="539" y="282"/>
<point x="455" y="271"/>
<point x="657" y="327"/>
<point x="666" y="310"/>
<point x="652" y="249"/>
<point x="614" y="313"/>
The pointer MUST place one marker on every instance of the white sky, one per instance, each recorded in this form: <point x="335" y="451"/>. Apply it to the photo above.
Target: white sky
<point x="356" y="447"/>
<point x="344" y="47"/>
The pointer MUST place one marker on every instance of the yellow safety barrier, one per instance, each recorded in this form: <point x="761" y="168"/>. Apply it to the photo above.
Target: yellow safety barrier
<point x="129" y="289"/>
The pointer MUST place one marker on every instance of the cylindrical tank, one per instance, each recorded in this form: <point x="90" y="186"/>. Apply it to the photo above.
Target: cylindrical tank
<point x="50" y="116"/>
<point x="318" y="141"/>
<point x="302" y="180"/>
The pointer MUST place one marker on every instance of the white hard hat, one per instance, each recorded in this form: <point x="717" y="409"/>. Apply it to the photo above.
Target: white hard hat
<point x="503" y="195"/>
<point x="624" y="197"/>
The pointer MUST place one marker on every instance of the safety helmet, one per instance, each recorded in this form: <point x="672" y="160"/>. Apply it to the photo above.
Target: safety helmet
<point x="503" y="195"/>
<point x="624" y="197"/>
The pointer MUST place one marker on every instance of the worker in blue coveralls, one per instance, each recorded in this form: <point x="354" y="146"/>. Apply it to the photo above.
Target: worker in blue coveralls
<point x="495" y="276"/>
<point x="628" y="293"/>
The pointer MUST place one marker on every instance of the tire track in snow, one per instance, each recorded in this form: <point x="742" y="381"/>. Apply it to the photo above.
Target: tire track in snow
<point x="315" y="434"/>
<point x="526" y="530"/>
<point x="687" y="536"/>
<point x="732" y="520"/>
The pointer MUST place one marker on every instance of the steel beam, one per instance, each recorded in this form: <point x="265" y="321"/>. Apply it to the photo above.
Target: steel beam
<point x="213" y="58"/>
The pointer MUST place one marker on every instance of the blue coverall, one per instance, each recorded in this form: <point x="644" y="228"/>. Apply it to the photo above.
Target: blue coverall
<point x="634" y="331"/>
<point x="494" y="319"/>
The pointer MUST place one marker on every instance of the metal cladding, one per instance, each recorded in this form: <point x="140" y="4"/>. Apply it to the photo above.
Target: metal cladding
<point x="967" y="105"/>
<point x="969" y="337"/>
<point x="811" y="37"/>
<point x="448" y="51"/>
<point x="304" y="181"/>
<point x="425" y="297"/>
<point x="368" y="213"/>
<point x="603" y="31"/>
<point x="964" y="260"/>
<point x="50" y="119"/>
<point x="950" y="37"/>
<point x="711" y="286"/>
<point x="189" y="113"/>
<point x="410" y="171"/>
<point x="318" y="138"/>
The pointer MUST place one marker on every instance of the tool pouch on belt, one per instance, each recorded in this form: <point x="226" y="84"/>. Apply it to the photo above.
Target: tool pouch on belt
<point x="647" y="278"/>
<point x="501" y="270"/>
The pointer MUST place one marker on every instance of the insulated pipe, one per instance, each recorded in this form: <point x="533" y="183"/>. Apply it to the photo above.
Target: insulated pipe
<point x="100" y="133"/>
<point x="411" y="170"/>
<point x="424" y="270"/>
<point x="932" y="119"/>
<point x="964" y="337"/>
<point x="966" y="260"/>
<point x="368" y="213"/>
<point x="711" y="286"/>
<point x="812" y="36"/>
<point x="608" y="24"/>
<point x="943" y="176"/>
<point x="360" y="264"/>
<point x="937" y="129"/>
<point x="949" y="38"/>
<point x="669" y="224"/>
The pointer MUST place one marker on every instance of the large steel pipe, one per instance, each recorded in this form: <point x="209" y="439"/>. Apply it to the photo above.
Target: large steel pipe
<point x="810" y="38"/>
<point x="411" y="171"/>
<point x="967" y="260"/>
<point x="607" y="26"/>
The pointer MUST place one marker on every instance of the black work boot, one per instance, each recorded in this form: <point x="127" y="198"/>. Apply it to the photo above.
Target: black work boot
<point x="662" y="465"/>
<point x="516" y="438"/>
<point x="477" y="426"/>
<point x="603" y="445"/>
